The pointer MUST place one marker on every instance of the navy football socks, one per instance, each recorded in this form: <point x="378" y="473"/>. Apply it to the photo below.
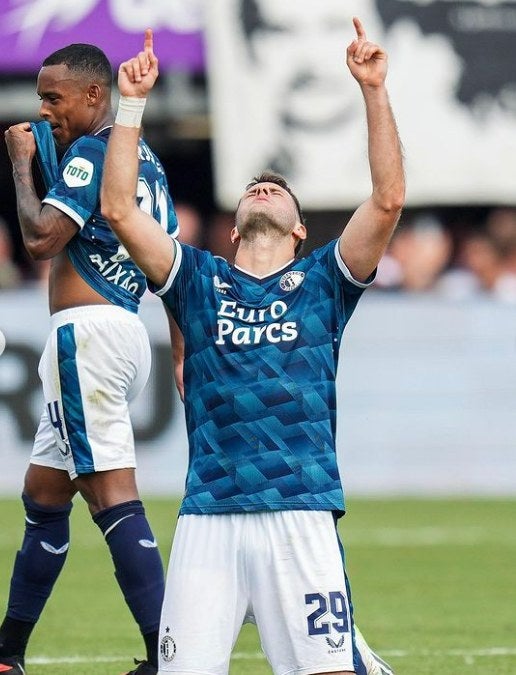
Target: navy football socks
<point x="36" y="568"/>
<point x="138" y="566"/>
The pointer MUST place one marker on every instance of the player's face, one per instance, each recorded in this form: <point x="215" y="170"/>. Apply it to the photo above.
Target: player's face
<point x="301" y="52"/>
<point x="65" y="103"/>
<point x="266" y="207"/>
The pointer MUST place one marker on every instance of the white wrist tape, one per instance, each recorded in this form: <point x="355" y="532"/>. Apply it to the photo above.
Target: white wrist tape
<point x="130" y="111"/>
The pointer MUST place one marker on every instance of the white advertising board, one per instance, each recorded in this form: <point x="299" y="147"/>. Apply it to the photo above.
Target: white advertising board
<point x="427" y="396"/>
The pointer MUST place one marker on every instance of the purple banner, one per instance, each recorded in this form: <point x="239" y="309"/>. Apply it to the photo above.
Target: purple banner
<point x="30" y="30"/>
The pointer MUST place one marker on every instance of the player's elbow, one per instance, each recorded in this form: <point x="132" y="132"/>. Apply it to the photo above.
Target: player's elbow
<point x="37" y="252"/>
<point x="397" y="200"/>
<point x="41" y="248"/>
<point x="393" y="208"/>
<point x="391" y="201"/>
<point x="115" y="210"/>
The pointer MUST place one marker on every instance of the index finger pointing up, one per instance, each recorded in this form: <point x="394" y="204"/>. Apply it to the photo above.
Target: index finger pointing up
<point x="148" y="43"/>
<point x="361" y="35"/>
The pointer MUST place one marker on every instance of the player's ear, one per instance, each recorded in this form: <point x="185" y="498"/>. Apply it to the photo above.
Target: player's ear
<point x="299" y="231"/>
<point x="235" y="235"/>
<point x="93" y="94"/>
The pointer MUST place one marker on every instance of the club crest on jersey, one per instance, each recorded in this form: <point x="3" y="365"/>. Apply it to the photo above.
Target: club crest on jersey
<point x="291" y="280"/>
<point x="167" y="647"/>
<point x="78" y="172"/>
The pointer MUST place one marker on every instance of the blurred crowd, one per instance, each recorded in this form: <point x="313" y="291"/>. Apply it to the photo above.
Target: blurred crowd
<point x="479" y="259"/>
<point x="426" y="255"/>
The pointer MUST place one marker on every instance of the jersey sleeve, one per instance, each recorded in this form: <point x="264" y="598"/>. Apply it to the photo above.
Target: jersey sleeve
<point x="328" y="257"/>
<point x="77" y="189"/>
<point x="163" y="291"/>
<point x="183" y="282"/>
<point x="342" y="290"/>
<point x="346" y="274"/>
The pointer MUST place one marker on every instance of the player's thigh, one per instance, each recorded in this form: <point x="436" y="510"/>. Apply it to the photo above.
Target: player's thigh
<point x="299" y="594"/>
<point x="48" y="486"/>
<point x="95" y="359"/>
<point x="104" y="489"/>
<point x="205" y="596"/>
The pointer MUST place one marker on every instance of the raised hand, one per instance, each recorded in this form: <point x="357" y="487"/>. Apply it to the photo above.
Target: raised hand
<point x="366" y="60"/>
<point x="136" y="76"/>
<point x="20" y="142"/>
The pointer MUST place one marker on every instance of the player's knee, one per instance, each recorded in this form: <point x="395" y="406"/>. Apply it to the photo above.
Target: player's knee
<point x="50" y="488"/>
<point x="107" y="489"/>
<point x="41" y="514"/>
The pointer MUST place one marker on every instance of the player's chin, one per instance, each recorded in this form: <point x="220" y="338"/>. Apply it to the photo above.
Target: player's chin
<point x="57" y="133"/>
<point x="61" y="137"/>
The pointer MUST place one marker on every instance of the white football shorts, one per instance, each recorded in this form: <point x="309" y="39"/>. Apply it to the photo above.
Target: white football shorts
<point x="96" y="360"/>
<point x="282" y="570"/>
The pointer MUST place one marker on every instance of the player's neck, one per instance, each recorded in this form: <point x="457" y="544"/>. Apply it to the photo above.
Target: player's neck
<point x="261" y="258"/>
<point x="102" y="122"/>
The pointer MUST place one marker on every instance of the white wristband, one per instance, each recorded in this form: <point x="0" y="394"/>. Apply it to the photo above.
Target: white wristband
<point x="130" y="111"/>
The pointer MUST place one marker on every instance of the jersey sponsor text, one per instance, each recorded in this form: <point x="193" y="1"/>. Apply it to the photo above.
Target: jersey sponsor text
<point x="260" y="327"/>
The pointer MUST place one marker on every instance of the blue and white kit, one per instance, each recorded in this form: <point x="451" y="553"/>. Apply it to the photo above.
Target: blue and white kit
<point x="263" y="353"/>
<point x="257" y="530"/>
<point x="98" y="357"/>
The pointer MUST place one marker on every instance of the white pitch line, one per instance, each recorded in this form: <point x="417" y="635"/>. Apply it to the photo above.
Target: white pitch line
<point x="47" y="660"/>
<point x="256" y="656"/>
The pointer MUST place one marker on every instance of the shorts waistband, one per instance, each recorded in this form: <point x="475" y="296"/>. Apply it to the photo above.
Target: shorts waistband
<point x="101" y="312"/>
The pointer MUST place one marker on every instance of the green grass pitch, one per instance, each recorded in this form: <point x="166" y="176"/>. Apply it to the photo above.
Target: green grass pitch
<point x="434" y="589"/>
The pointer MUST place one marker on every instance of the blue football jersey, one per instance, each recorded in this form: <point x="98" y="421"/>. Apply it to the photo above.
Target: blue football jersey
<point x="95" y="251"/>
<point x="261" y="359"/>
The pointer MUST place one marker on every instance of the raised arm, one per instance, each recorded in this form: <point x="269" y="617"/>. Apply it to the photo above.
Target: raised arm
<point x="147" y="243"/>
<point x="365" y="237"/>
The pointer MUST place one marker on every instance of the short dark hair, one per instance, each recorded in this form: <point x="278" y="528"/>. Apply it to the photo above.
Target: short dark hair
<point x="276" y="178"/>
<point x="83" y="58"/>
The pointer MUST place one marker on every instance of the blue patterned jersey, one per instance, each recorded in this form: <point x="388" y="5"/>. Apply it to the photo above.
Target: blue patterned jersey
<point x="95" y="252"/>
<point x="260" y="365"/>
